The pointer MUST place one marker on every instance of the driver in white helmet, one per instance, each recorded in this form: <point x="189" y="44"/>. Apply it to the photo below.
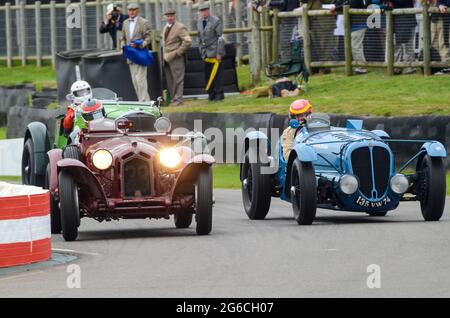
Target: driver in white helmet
<point x="80" y="92"/>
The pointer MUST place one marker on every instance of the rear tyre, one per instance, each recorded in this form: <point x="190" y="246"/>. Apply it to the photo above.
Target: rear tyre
<point x="183" y="218"/>
<point x="70" y="211"/>
<point x="432" y="188"/>
<point x="303" y="192"/>
<point x="256" y="189"/>
<point x="55" y="212"/>
<point x="204" y="201"/>
<point x="29" y="164"/>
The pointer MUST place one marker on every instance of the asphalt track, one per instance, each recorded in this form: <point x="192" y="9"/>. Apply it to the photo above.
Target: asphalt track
<point x="243" y="258"/>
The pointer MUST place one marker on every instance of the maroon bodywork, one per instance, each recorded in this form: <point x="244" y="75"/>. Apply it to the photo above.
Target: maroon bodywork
<point x="137" y="185"/>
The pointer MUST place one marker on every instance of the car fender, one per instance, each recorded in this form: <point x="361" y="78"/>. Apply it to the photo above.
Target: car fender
<point x="82" y="176"/>
<point x="434" y="149"/>
<point x="189" y="173"/>
<point x="305" y="153"/>
<point x="37" y="131"/>
<point x="251" y="136"/>
<point x="54" y="156"/>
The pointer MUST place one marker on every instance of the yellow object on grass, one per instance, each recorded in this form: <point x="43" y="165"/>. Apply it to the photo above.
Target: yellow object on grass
<point x="214" y="70"/>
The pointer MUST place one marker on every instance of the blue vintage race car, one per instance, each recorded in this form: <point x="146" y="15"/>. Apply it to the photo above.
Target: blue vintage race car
<point x="344" y="169"/>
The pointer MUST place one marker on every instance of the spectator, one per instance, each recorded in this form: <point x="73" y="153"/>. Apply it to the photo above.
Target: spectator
<point x="212" y="49"/>
<point x="137" y="28"/>
<point x="113" y="22"/>
<point x="404" y="33"/>
<point x="322" y="38"/>
<point x="176" y="41"/>
<point x="359" y="27"/>
<point x="440" y="25"/>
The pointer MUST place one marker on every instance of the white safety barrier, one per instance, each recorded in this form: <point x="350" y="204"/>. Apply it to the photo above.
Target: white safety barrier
<point x="11" y="157"/>
<point x="25" y="235"/>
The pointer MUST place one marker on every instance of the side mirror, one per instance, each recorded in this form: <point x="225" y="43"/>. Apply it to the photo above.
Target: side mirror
<point x="293" y="123"/>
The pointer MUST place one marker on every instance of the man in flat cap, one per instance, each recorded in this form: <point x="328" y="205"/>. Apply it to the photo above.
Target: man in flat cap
<point x="137" y="28"/>
<point x="176" y="41"/>
<point x="212" y="49"/>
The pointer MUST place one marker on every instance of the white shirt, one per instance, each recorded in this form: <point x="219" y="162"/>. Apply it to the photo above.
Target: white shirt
<point x="132" y="26"/>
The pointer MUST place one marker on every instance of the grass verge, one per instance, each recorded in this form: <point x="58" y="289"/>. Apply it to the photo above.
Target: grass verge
<point x="44" y="76"/>
<point x="372" y="94"/>
<point x="2" y="133"/>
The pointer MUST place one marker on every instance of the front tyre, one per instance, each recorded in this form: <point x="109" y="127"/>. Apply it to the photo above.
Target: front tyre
<point x="204" y="201"/>
<point x="303" y="192"/>
<point x="55" y="213"/>
<point x="70" y="211"/>
<point x="432" y="188"/>
<point x="29" y="164"/>
<point x="256" y="189"/>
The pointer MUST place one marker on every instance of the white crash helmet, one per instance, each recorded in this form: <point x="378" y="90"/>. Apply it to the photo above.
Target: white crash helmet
<point x="81" y="92"/>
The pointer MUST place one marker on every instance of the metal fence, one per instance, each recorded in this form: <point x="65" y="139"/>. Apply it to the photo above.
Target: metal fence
<point x="400" y="38"/>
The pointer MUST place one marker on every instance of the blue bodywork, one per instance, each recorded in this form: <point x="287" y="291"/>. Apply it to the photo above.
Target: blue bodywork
<point x="335" y="152"/>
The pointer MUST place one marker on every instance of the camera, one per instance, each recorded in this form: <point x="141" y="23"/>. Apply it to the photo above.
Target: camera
<point x="114" y="15"/>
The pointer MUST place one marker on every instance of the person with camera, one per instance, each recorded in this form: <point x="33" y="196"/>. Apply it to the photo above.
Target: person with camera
<point x="114" y="19"/>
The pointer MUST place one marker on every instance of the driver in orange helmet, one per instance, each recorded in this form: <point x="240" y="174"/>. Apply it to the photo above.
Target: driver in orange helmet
<point x="299" y="110"/>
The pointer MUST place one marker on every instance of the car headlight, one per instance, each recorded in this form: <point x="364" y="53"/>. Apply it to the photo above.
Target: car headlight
<point x="102" y="159"/>
<point x="170" y="157"/>
<point x="399" y="183"/>
<point x="348" y="184"/>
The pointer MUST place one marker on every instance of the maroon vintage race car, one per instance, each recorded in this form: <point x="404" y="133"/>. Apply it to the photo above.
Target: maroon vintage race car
<point x="115" y="171"/>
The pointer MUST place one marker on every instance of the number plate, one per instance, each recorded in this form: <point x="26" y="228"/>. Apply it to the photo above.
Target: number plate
<point x="368" y="204"/>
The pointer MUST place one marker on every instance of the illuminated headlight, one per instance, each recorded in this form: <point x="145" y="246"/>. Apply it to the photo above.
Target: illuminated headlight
<point x="399" y="183"/>
<point x="348" y="184"/>
<point x="102" y="159"/>
<point x="170" y="157"/>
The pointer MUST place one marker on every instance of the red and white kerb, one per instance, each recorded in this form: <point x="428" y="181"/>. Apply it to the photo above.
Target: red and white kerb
<point x="25" y="235"/>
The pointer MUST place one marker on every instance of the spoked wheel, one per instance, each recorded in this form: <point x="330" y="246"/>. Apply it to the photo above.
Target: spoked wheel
<point x="204" y="201"/>
<point x="183" y="218"/>
<point x="55" y="213"/>
<point x="29" y="175"/>
<point x="303" y="192"/>
<point x="432" y="188"/>
<point x="256" y="189"/>
<point x="70" y="211"/>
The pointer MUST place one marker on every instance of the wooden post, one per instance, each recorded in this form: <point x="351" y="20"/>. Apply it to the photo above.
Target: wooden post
<point x="147" y="11"/>
<point x="266" y="35"/>
<point x="306" y="38"/>
<point x="426" y="27"/>
<point x="262" y="36"/>
<point x="179" y="9"/>
<point x="158" y="14"/>
<point x="23" y="49"/>
<point x="8" y="28"/>
<point x="189" y="15"/>
<point x="275" y="35"/>
<point x="390" y="42"/>
<point x="98" y="21"/>
<point x="84" y="36"/>
<point x="348" y="41"/>
<point x="255" y="47"/>
<point x="37" y="20"/>
<point x="212" y="9"/>
<point x="239" y="37"/>
<point x="225" y="17"/>
<point x="53" y="32"/>
<point x="68" y="30"/>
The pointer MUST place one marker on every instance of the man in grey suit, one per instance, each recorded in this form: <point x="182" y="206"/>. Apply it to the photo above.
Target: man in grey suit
<point x="212" y="49"/>
<point x="135" y="28"/>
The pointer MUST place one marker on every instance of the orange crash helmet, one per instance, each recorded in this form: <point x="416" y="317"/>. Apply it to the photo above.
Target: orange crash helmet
<point x="300" y="109"/>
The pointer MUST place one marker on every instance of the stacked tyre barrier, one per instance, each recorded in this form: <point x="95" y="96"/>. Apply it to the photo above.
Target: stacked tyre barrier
<point x="194" y="78"/>
<point x="25" y="235"/>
